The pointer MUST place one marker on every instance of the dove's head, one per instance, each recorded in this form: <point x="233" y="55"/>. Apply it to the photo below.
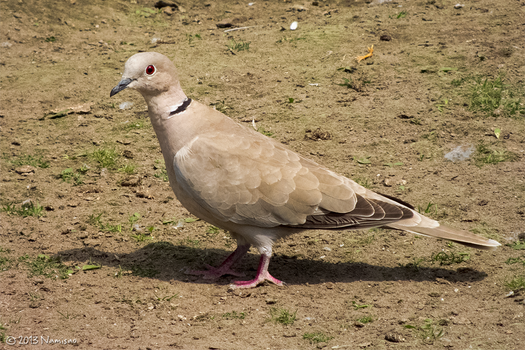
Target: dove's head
<point x="151" y="74"/>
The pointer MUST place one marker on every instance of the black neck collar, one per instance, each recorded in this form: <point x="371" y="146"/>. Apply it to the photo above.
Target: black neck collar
<point x="182" y="107"/>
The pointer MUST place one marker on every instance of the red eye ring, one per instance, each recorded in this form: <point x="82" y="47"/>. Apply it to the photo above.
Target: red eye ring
<point x="150" y="69"/>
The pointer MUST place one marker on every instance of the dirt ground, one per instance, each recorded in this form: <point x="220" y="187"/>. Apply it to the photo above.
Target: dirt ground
<point x="93" y="244"/>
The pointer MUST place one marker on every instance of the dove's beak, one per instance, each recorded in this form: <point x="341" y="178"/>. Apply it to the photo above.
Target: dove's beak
<point x="121" y="86"/>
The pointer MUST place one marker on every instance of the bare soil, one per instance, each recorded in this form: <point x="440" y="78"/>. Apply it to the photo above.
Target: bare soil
<point x="386" y="121"/>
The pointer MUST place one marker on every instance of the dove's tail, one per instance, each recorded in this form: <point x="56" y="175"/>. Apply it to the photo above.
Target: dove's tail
<point x="451" y="234"/>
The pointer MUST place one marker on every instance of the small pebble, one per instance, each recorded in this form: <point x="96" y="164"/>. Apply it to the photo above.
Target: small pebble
<point x="125" y="105"/>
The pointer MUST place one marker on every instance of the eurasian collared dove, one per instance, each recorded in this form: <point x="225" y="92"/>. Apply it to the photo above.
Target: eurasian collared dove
<point x="256" y="188"/>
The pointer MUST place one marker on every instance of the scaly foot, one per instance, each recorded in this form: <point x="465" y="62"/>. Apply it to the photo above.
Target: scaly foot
<point x="262" y="275"/>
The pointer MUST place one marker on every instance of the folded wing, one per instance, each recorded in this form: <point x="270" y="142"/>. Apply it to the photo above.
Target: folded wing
<point x="249" y="179"/>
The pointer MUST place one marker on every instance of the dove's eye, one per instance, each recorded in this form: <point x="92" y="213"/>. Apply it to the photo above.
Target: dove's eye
<point x="150" y="70"/>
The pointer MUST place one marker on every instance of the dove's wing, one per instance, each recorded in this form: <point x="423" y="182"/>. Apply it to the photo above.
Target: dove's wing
<point x="246" y="178"/>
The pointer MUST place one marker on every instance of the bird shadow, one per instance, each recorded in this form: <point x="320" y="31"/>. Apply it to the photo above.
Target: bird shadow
<point x="166" y="261"/>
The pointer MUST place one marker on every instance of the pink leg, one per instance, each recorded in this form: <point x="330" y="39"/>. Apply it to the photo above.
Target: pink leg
<point x="213" y="273"/>
<point x="262" y="275"/>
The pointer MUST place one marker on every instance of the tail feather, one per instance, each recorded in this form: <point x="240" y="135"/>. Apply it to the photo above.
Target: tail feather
<point x="452" y="234"/>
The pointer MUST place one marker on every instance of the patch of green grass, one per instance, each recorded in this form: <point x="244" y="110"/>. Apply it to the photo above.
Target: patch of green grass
<point x="427" y="209"/>
<point x="133" y="220"/>
<point x="147" y="12"/>
<point x="365" y="319"/>
<point x="174" y="220"/>
<point x="265" y="132"/>
<point x="363" y="160"/>
<point x="431" y="136"/>
<point x="128" y="169"/>
<point x="43" y="265"/>
<point x="414" y="265"/>
<point x="401" y="14"/>
<point x="69" y="175"/>
<point x="364" y="181"/>
<point x="127" y="126"/>
<point x="89" y="267"/>
<point x="191" y="37"/>
<point x="195" y="243"/>
<point x="509" y="261"/>
<point x="442" y="106"/>
<point x="234" y="315"/>
<point x="317" y="337"/>
<point x="483" y="229"/>
<point x="161" y="172"/>
<point x="282" y="316"/>
<point x="451" y="258"/>
<point x="360" y="306"/>
<point x="96" y="220"/>
<point x="428" y="331"/>
<point x="50" y="39"/>
<point x="3" y="336"/>
<point x="518" y="245"/>
<point x="348" y="83"/>
<point x="34" y="298"/>
<point x="30" y="160"/>
<point x="497" y="132"/>
<point x="369" y="238"/>
<point x="163" y="175"/>
<point x="5" y="261"/>
<point x="515" y="284"/>
<point x="134" y="125"/>
<point x="141" y="237"/>
<point x="25" y="210"/>
<point x="494" y="97"/>
<point x="220" y="106"/>
<point x="486" y="155"/>
<point x="448" y="69"/>
<point x="460" y="81"/>
<point x="166" y="298"/>
<point x="213" y="231"/>
<point x="238" y="46"/>
<point x="113" y="228"/>
<point x="67" y="315"/>
<point x="105" y="157"/>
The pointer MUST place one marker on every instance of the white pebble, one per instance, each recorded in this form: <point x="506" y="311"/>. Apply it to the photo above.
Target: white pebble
<point x="125" y="105"/>
<point x="293" y="26"/>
